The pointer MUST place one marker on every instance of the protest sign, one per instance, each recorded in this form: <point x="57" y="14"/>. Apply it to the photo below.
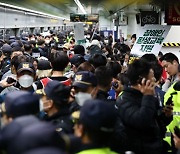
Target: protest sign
<point x="150" y="39"/>
<point x="79" y="34"/>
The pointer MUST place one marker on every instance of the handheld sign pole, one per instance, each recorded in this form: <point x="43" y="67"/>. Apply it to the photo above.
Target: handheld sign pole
<point x="94" y="32"/>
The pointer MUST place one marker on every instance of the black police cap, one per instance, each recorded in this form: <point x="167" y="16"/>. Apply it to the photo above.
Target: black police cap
<point x="6" y="48"/>
<point x="11" y="131"/>
<point x="26" y="66"/>
<point x="98" y="115"/>
<point x="84" y="79"/>
<point x="38" y="135"/>
<point x="19" y="103"/>
<point x="44" y="65"/>
<point x="77" y="59"/>
<point x="57" y="91"/>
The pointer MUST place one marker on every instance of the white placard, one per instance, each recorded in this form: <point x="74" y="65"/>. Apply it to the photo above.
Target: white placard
<point x="78" y="31"/>
<point x="150" y="39"/>
<point x="36" y="55"/>
<point x="106" y="34"/>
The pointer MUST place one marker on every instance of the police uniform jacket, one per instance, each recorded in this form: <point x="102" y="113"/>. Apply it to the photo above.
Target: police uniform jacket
<point x="95" y="149"/>
<point x="62" y="120"/>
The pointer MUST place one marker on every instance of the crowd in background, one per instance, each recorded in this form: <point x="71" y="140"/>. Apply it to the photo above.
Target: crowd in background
<point x="61" y="97"/>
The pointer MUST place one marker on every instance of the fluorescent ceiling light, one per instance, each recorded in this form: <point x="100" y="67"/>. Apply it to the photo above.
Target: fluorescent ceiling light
<point x="28" y="11"/>
<point x="80" y="6"/>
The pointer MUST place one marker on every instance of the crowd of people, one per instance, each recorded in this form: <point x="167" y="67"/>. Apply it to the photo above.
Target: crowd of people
<point x="59" y="97"/>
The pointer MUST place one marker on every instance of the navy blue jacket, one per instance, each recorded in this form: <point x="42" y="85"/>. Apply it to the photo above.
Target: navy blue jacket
<point x="139" y="115"/>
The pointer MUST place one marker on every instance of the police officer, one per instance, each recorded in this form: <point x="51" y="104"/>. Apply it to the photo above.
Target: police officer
<point x="26" y="75"/>
<point x="19" y="103"/>
<point x="56" y="106"/>
<point x="84" y="84"/>
<point x="27" y="133"/>
<point x="95" y="127"/>
<point x="6" y="53"/>
<point x="173" y="95"/>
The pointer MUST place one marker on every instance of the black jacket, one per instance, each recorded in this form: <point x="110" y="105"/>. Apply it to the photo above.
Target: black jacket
<point x="74" y="107"/>
<point x="102" y="95"/>
<point x="62" y="121"/>
<point x="139" y="115"/>
<point x="5" y="66"/>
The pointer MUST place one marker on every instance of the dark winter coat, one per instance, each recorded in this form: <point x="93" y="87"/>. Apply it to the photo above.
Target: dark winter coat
<point x="139" y="115"/>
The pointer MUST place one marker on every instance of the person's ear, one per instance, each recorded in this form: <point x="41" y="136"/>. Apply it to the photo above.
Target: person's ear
<point x="10" y="119"/>
<point x="48" y="104"/>
<point x="79" y="131"/>
<point x="94" y="92"/>
<point x="179" y="75"/>
<point x="175" y="62"/>
<point x="13" y="70"/>
<point x="6" y="120"/>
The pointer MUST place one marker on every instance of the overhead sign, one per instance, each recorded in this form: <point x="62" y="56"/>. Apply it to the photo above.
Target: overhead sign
<point x="150" y="39"/>
<point x="149" y="17"/>
<point x="93" y="18"/>
<point x="77" y="17"/>
<point x="172" y="14"/>
<point x="124" y="21"/>
<point x="84" y="18"/>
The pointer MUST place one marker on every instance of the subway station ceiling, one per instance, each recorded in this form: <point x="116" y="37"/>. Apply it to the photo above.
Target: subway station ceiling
<point x="103" y="7"/>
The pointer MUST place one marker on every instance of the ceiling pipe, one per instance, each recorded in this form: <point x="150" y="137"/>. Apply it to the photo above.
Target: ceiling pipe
<point x="80" y="6"/>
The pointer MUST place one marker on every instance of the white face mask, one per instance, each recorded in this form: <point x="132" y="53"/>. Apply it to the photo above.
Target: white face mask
<point x="82" y="97"/>
<point x="47" y="41"/>
<point x="88" y="36"/>
<point x="41" y="106"/>
<point x="33" y="39"/>
<point x="125" y="64"/>
<point x="26" y="81"/>
<point x="106" y="41"/>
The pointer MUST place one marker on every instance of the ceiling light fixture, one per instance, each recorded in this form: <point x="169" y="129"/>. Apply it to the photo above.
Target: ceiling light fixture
<point x="80" y="6"/>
